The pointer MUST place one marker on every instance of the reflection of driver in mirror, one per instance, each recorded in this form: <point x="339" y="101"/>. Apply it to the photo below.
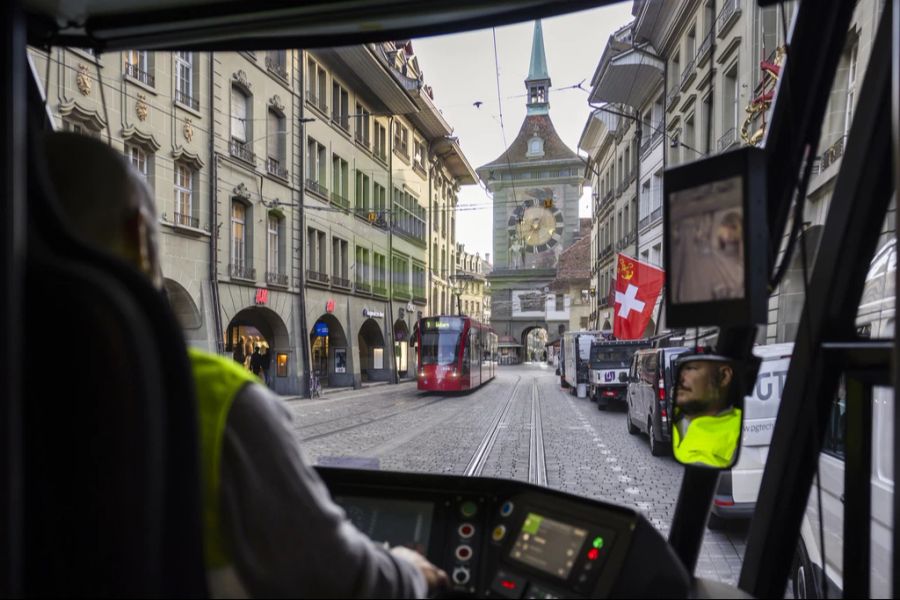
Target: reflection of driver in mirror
<point x="707" y="427"/>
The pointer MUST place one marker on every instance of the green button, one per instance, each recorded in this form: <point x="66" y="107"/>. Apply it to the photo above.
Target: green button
<point x="598" y="542"/>
<point x="469" y="509"/>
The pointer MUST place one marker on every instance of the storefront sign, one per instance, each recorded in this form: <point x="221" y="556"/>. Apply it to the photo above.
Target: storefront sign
<point x="321" y="329"/>
<point x="410" y="307"/>
<point x="375" y="314"/>
<point x="262" y="295"/>
<point x="329" y="306"/>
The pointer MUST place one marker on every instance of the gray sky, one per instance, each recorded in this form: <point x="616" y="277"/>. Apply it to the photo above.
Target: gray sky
<point x="461" y="70"/>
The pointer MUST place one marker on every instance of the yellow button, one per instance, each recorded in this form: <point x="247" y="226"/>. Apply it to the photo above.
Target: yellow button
<point x="499" y="533"/>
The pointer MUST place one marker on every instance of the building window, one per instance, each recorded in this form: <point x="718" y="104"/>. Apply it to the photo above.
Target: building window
<point x="316" y="255"/>
<point x="340" y="262"/>
<point x="362" y="194"/>
<point x="138" y="66"/>
<point x="851" y="88"/>
<point x="380" y="283"/>
<point x="731" y="96"/>
<point x="274" y="255"/>
<point x="340" y="109"/>
<point x="418" y="272"/>
<point x="139" y="160"/>
<point x="400" y="270"/>
<point x="560" y="302"/>
<point x="240" y="256"/>
<point x="340" y="181"/>
<point x="419" y="155"/>
<point x="379" y="198"/>
<point x="380" y="141"/>
<point x="401" y="139"/>
<point x="316" y="86"/>
<point x="315" y="167"/>
<point x="184" y="196"/>
<point x="361" y="275"/>
<point x="184" y="80"/>
<point x="408" y="217"/>
<point x="276" y="62"/>
<point x="276" y="135"/>
<point x="362" y="126"/>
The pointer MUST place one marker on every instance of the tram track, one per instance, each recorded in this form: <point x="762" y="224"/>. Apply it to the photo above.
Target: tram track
<point x="403" y="411"/>
<point x="391" y="403"/>
<point x="501" y="425"/>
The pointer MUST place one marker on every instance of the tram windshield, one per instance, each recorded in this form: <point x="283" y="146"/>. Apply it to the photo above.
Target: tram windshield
<point x="330" y="217"/>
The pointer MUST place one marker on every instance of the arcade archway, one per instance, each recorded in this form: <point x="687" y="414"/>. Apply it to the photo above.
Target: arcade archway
<point x="329" y="348"/>
<point x="372" y="365"/>
<point x="534" y="341"/>
<point x="258" y="326"/>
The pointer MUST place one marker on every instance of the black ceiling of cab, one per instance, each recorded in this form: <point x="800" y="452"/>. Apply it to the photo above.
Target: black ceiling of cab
<point x="108" y="25"/>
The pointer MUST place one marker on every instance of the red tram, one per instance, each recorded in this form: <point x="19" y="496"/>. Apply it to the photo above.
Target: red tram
<point x="455" y="353"/>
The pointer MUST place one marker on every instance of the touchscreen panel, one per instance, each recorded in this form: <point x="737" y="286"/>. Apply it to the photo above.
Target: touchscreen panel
<point x="548" y="545"/>
<point x="396" y="522"/>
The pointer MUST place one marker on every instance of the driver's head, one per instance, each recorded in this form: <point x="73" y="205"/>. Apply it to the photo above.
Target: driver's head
<point x="105" y="202"/>
<point x="703" y="387"/>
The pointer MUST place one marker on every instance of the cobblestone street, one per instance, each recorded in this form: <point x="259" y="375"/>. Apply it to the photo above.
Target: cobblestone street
<point x="586" y="451"/>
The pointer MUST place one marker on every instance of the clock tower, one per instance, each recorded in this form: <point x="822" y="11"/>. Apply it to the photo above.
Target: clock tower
<point x="536" y="185"/>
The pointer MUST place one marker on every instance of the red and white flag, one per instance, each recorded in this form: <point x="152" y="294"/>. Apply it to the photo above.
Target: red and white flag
<point x="637" y="288"/>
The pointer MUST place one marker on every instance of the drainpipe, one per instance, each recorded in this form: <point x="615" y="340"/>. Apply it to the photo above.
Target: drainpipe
<point x="301" y="255"/>
<point x="389" y="267"/>
<point x="214" y="225"/>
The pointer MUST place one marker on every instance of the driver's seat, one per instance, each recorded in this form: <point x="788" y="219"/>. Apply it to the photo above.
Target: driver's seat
<point x="112" y="489"/>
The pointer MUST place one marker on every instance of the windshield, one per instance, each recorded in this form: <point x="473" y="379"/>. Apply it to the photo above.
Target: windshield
<point x="346" y="209"/>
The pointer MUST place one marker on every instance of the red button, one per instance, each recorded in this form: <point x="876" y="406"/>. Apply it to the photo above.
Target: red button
<point x="510" y="585"/>
<point x="593" y="554"/>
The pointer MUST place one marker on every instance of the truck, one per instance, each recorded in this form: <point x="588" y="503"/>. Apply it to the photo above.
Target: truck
<point x="609" y="363"/>
<point x="575" y="356"/>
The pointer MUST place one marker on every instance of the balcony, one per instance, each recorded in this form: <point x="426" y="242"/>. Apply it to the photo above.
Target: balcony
<point x="274" y="168"/>
<point x="656" y="215"/>
<point x="317" y="188"/>
<point x="645" y="142"/>
<point x="189" y="101"/>
<point x="415" y="235"/>
<point x="362" y="138"/>
<point x="727" y="140"/>
<point x="363" y="288"/>
<point x="317" y="102"/>
<point x="672" y="97"/>
<point x="276" y="66"/>
<point x="832" y="154"/>
<point x="644" y="222"/>
<point x="703" y="50"/>
<point x="341" y="282"/>
<point x="339" y="200"/>
<point x="379" y="290"/>
<point x="316" y="277"/>
<point x="727" y="16"/>
<point x="280" y="279"/>
<point x="603" y="302"/>
<point x="419" y="168"/>
<point x="688" y="74"/>
<point x="242" y="271"/>
<point x="607" y="197"/>
<point x="185" y="220"/>
<point x="242" y="150"/>
<point x="143" y="76"/>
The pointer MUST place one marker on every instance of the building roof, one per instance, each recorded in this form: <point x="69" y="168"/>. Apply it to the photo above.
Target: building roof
<point x="574" y="264"/>
<point x="542" y="126"/>
<point x="538" y="68"/>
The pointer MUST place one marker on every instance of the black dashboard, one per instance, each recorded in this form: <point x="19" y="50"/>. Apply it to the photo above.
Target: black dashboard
<point x="509" y="539"/>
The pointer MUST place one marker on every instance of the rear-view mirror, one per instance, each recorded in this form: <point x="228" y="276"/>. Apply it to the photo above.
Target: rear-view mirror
<point x="623" y="377"/>
<point x="706" y="429"/>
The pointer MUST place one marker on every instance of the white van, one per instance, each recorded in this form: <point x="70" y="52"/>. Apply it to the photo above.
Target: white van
<point x="739" y="487"/>
<point x="875" y="319"/>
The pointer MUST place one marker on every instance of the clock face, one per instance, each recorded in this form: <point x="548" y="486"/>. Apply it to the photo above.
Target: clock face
<point x="534" y="226"/>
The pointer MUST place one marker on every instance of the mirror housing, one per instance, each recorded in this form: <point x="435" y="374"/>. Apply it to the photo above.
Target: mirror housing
<point x="707" y="403"/>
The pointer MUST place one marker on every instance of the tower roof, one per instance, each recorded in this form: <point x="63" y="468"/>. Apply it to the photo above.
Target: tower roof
<point x="517" y="153"/>
<point x="538" y="68"/>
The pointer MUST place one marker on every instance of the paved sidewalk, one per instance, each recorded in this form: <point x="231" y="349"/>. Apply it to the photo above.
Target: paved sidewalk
<point x="349" y="392"/>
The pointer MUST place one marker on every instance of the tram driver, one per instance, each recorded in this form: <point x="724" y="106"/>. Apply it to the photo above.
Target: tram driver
<point x="270" y="526"/>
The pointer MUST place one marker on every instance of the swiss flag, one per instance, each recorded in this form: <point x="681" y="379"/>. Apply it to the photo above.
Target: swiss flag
<point x="637" y="288"/>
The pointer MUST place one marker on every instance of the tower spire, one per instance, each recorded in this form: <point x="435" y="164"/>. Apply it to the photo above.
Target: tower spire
<point x="538" y="82"/>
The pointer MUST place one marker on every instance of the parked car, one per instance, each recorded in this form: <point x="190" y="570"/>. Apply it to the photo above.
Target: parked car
<point x="649" y="396"/>
<point x="739" y="487"/>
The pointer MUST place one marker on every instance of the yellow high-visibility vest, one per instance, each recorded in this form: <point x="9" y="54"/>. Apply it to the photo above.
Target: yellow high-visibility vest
<point x="709" y="440"/>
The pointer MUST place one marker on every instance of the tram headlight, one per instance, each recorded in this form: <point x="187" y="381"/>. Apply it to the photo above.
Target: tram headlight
<point x="421" y="372"/>
<point x="454" y="374"/>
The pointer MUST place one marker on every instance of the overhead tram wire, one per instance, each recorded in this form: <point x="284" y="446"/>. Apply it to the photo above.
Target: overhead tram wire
<point x="500" y="106"/>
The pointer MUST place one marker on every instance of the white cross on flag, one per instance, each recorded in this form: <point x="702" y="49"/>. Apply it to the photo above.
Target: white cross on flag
<point x="637" y="288"/>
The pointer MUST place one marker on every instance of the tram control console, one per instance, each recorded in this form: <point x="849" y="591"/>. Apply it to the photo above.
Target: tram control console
<point x="508" y="539"/>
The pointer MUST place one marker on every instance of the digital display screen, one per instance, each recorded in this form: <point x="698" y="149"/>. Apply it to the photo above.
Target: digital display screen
<point x="706" y="240"/>
<point x="397" y="522"/>
<point x="547" y="545"/>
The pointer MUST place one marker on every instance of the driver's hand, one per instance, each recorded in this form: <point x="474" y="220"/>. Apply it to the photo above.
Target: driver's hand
<point x="435" y="577"/>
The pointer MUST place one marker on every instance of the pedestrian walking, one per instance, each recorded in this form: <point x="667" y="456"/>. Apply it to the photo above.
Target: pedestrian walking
<point x="266" y="364"/>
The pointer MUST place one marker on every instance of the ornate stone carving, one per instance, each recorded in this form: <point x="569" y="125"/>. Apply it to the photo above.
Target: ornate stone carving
<point x="276" y="103"/>
<point x="188" y="130"/>
<point x="82" y="80"/>
<point x="142" y="108"/>
<point x="241" y="79"/>
<point x="241" y="191"/>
